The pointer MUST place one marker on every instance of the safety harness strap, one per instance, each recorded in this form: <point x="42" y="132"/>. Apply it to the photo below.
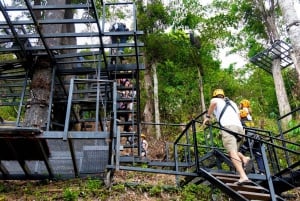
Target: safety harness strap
<point x="227" y="103"/>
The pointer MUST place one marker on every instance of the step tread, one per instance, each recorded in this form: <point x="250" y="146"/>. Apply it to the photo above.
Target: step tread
<point x="225" y="174"/>
<point x="255" y="196"/>
<point x="246" y="187"/>
<point x="227" y="179"/>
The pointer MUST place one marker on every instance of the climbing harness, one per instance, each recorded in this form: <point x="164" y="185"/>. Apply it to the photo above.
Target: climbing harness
<point x="227" y="103"/>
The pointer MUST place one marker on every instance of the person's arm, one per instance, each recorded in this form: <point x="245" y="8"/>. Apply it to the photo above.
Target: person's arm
<point x="145" y="145"/>
<point x="210" y="111"/>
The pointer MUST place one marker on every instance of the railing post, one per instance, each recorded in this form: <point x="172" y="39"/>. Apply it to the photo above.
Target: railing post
<point x="116" y="134"/>
<point x="268" y="174"/>
<point x="195" y="145"/>
<point x="69" y="107"/>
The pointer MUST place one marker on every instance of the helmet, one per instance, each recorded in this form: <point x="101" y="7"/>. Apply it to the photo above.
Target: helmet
<point x="245" y="103"/>
<point x="243" y="113"/>
<point x="218" y="92"/>
<point x="143" y="135"/>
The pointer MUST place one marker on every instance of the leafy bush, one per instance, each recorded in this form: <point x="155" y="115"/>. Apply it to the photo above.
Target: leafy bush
<point x="70" y="195"/>
<point x="195" y="192"/>
<point x="93" y="184"/>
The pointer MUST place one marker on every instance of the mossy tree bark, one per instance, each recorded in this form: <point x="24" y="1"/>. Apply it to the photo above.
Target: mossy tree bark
<point x="37" y="105"/>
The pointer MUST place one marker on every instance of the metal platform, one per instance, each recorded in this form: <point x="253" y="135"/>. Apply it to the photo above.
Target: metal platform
<point x="79" y="134"/>
<point x="278" y="50"/>
<point x="29" y="153"/>
<point x="74" y="138"/>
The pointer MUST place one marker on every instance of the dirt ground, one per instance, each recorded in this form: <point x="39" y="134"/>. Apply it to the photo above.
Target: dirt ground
<point x="129" y="186"/>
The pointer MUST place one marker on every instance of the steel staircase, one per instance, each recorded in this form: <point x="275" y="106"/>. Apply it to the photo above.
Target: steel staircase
<point x="81" y="112"/>
<point x="86" y="133"/>
<point x="238" y="192"/>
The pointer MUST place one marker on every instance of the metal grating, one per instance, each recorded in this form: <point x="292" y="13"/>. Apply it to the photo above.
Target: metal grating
<point x="278" y="50"/>
<point x="90" y="158"/>
<point x="27" y="36"/>
<point x="95" y="159"/>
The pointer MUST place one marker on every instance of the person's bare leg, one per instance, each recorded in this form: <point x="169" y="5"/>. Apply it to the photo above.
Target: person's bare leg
<point x="237" y="163"/>
<point x="243" y="158"/>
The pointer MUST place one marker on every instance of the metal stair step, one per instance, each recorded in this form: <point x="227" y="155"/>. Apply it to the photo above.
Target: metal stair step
<point x="225" y="174"/>
<point x="123" y="74"/>
<point x="130" y="146"/>
<point x="128" y="134"/>
<point x="227" y="179"/>
<point x="255" y="196"/>
<point x="248" y="188"/>
<point x="126" y="99"/>
<point x="128" y="123"/>
<point x="126" y="111"/>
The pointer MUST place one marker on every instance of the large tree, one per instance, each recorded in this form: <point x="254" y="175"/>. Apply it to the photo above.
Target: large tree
<point x="292" y="22"/>
<point x="37" y="106"/>
<point x="256" y="30"/>
<point x="268" y="14"/>
<point x="152" y="18"/>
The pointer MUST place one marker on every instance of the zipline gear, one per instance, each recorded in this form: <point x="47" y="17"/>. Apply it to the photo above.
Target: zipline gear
<point x="243" y="113"/>
<point x="245" y="103"/>
<point x="218" y="92"/>
<point x="227" y="103"/>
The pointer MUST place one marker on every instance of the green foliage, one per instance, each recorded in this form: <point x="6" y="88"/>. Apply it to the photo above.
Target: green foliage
<point x="70" y="195"/>
<point x="3" y="188"/>
<point x="188" y="15"/>
<point x="294" y="124"/>
<point x="155" y="190"/>
<point x="224" y="79"/>
<point x="292" y="88"/>
<point x="8" y="113"/>
<point x="94" y="184"/>
<point x="253" y="46"/>
<point x="293" y="135"/>
<point x="178" y="97"/>
<point x="6" y="57"/>
<point x="153" y="18"/>
<point x="144" y="165"/>
<point x="205" y="139"/>
<point x="194" y="192"/>
<point x="119" y="188"/>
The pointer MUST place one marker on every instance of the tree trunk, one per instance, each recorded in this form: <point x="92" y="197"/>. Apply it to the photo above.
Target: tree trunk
<point x="268" y="16"/>
<point x="156" y="103"/>
<point x="148" y="110"/>
<point x="202" y="101"/>
<point x="50" y="28"/>
<point x="280" y="92"/>
<point x="37" y="106"/>
<point x="292" y="22"/>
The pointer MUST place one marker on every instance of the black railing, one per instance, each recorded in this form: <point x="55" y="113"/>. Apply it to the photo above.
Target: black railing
<point x="191" y="148"/>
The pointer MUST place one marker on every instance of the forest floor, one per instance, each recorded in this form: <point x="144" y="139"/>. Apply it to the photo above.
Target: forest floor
<point x="126" y="185"/>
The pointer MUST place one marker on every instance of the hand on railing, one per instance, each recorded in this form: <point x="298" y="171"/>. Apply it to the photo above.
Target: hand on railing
<point x="206" y="120"/>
